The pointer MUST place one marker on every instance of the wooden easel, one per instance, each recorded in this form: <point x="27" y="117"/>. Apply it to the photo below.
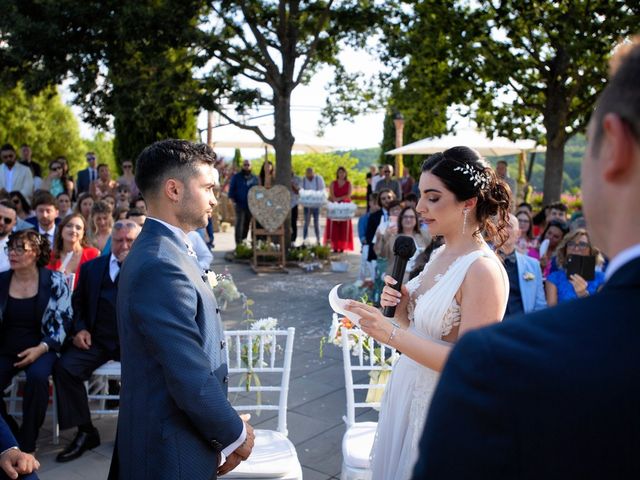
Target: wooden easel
<point x="268" y="266"/>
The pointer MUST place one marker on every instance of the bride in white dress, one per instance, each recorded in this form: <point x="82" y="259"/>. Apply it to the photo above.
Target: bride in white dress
<point x="463" y="286"/>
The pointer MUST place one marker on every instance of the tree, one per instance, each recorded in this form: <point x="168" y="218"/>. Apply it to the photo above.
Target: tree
<point x="263" y="50"/>
<point x="527" y="69"/>
<point x="45" y="123"/>
<point x="129" y="60"/>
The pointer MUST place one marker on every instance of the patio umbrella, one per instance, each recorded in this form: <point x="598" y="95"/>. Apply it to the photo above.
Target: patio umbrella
<point x="472" y="138"/>
<point x="233" y="137"/>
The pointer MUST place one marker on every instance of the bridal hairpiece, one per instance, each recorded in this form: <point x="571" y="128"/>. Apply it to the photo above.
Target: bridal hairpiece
<point x="478" y="178"/>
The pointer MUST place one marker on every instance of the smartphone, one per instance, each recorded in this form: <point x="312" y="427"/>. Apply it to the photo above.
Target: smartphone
<point x="583" y="265"/>
<point x="393" y="220"/>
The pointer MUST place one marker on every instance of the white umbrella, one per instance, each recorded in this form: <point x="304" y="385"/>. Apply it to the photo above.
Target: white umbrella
<point x="493" y="147"/>
<point x="230" y="136"/>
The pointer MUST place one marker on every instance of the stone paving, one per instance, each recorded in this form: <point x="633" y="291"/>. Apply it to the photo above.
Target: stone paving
<point x="316" y="397"/>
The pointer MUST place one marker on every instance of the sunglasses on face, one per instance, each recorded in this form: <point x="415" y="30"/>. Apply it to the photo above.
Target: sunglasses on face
<point x="128" y="225"/>
<point x="18" y="250"/>
<point x="573" y="244"/>
<point x="6" y="220"/>
<point x="408" y="217"/>
<point x="127" y="167"/>
<point x="56" y="168"/>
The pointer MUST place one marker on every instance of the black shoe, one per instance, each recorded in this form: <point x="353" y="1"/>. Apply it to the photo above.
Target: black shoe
<point x="84" y="441"/>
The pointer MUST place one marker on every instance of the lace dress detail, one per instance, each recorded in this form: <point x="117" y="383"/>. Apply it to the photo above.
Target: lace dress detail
<point x="432" y="314"/>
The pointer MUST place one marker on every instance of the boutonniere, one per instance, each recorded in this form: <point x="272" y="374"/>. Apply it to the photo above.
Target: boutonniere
<point x="528" y="276"/>
<point x="211" y="278"/>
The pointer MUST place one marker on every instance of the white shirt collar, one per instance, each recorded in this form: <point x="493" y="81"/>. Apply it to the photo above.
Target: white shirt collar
<point x="51" y="231"/>
<point x="177" y="230"/>
<point x="114" y="268"/>
<point x="621" y="259"/>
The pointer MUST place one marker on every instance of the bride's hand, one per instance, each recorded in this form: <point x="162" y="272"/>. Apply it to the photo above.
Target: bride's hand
<point x="391" y="297"/>
<point x="371" y="321"/>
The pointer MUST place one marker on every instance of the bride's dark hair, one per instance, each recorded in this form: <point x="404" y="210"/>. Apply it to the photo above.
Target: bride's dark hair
<point x="465" y="173"/>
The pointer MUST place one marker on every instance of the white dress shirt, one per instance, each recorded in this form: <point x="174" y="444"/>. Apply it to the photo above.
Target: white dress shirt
<point x="621" y="259"/>
<point x="114" y="268"/>
<point x="4" y="256"/>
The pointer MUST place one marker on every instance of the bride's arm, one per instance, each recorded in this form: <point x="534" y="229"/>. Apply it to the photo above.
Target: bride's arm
<point x="482" y="298"/>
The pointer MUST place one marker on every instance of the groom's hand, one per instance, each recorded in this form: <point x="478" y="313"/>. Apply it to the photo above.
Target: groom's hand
<point x="242" y="452"/>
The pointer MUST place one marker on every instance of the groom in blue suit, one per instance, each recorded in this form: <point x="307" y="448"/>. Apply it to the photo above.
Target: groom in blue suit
<point x="556" y="394"/>
<point x="175" y="420"/>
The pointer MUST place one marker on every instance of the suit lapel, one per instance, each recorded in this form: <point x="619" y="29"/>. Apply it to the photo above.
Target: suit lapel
<point x="628" y="275"/>
<point x="524" y="288"/>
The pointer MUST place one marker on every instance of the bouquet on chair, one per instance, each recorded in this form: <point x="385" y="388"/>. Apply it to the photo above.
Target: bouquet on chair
<point x="362" y="345"/>
<point x="253" y="352"/>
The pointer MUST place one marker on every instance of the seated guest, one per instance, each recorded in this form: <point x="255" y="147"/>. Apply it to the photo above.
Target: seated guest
<point x="36" y="311"/>
<point x="22" y="205"/>
<point x="527" y="242"/>
<point x="123" y="194"/>
<point x="526" y="293"/>
<point x="46" y="217"/>
<point x="103" y="185"/>
<point x="407" y="225"/>
<point x="560" y="288"/>
<point x="410" y="200"/>
<point x="55" y="182"/>
<point x="139" y="204"/>
<point x="137" y="216"/>
<point x="95" y="339"/>
<point x="71" y="248"/>
<point x="64" y="204"/>
<point x="14" y="462"/>
<point x="110" y="200"/>
<point x="84" y="205"/>
<point x="551" y="238"/>
<point x="120" y="213"/>
<point x="7" y="222"/>
<point x="101" y="223"/>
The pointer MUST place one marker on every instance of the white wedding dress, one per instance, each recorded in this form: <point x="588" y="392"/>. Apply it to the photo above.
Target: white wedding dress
<point x="433" y="314"/>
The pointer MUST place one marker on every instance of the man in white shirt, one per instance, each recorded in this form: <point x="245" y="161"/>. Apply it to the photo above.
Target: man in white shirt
<point x="312" y="181"/>
<point x="7" y="222"/>
<point x="14" y="175"/>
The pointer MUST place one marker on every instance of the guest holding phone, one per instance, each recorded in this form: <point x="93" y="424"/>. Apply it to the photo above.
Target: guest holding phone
<point x="561" y="285"/>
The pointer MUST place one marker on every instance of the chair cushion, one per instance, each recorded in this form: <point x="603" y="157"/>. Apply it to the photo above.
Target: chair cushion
<point x="357" y="443"/>
<point x="273" y="456"/>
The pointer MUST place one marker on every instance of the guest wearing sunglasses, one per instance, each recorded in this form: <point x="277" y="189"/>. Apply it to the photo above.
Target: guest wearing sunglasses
<point x="559" y="287"/>
<point x="128" y="178"/>
<point x="54" y="182"/>
<point x="7" y="222"/>
<point x="36" y="311"/>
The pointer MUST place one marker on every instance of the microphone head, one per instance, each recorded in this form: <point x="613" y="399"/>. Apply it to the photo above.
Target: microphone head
<point x="404" y="247"/>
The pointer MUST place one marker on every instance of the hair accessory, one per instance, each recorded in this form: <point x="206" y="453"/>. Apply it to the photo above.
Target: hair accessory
<point x="478" y="178"/>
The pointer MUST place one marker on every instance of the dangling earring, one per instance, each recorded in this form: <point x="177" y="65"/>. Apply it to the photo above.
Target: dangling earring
<point x="464" y="223"/>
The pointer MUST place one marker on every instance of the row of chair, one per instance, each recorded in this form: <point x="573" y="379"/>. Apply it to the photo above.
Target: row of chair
<point x="259" y="368"/>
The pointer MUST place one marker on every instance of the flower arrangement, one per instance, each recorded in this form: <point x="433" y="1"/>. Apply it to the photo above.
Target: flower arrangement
<point x="250" y="353"/>
<point x="361" y="344"/>
<point x="528" y="276"/>
<point x="223" y="287"/>
<point x="312" y="198"/>
<point x="341" y="210"/>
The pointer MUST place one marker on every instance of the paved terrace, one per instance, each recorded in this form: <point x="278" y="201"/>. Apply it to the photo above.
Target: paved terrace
<point x="316" y="397"/>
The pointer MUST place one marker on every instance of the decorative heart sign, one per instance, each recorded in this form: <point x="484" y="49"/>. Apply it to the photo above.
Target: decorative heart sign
<point x="270" y="206"/>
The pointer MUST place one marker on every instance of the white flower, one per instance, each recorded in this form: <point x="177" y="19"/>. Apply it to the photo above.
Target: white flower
<point x="212" y="279"/>
<point x="335" y="326"/>
<point x="528" y="276"/>
<point x="268" y="323"/>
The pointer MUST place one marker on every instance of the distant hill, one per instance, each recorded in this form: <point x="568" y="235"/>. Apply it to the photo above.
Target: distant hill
<point x="366" y="157"/>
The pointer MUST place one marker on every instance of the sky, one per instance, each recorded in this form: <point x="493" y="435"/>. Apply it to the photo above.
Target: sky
<point x="307" y="101"/>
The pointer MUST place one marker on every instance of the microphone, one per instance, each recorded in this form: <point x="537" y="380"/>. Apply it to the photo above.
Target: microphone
<point x="403" y="248"/>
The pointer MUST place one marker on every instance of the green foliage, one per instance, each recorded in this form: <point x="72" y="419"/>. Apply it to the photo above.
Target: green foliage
<point x="45" y="123"/>
<point x="129" y="60"/>
<point x="530" y="69"/>
<point x="307" y="254"/>
<point x="326" y="165"/>
<point x="237" y="158"/>
<point x="243" y="251"/>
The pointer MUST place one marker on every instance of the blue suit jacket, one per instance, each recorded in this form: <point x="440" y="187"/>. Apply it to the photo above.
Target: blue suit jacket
<point x="174" y="413"/>
<point x="7" y="440"/>
<point x="531" y="291"/>
<point x="84" y="180"/>
<point x="87" y="293"/>
<point x="554" y="394"/>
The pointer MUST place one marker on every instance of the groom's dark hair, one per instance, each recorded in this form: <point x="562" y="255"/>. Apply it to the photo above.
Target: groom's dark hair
<point x="170" y="159"/>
